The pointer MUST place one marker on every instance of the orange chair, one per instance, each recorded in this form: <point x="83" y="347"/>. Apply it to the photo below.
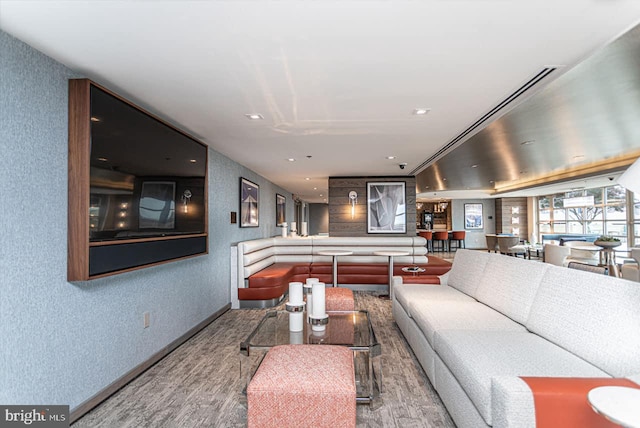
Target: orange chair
<point x="428" y="235"/>
<point x="458" y="238"/>
<point x="442" y="238"/>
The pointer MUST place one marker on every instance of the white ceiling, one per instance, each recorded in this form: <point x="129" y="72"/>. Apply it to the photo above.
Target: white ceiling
<point x="334" y="80"/>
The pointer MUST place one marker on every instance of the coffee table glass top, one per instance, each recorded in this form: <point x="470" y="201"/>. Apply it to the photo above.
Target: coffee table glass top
<point x="347" y="328"/>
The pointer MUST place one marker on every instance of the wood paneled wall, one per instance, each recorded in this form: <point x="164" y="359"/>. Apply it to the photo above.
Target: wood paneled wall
<point x="505" y="215"/>
<point x="340" y="221"/>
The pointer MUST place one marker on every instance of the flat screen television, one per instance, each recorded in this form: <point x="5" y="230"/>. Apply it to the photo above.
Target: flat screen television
<point x="147" y="185"/>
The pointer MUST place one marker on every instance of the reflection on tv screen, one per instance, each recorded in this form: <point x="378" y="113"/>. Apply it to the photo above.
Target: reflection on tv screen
<point x="146" y="178"/>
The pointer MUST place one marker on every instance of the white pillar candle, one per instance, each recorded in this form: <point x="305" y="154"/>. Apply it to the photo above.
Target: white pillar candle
<point x="296" y="338"/>
<point x="318" y="300"/>
<point x="296" y="321"/>
<point x="309" y="304"/>
<point x="284" y="230"/>
<point x="295" y="293"/>
<point x="293" y="226"/>
<point x="303" y="228"/>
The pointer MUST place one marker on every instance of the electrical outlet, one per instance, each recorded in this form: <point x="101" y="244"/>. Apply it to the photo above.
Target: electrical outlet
<point x="146" y="319"/>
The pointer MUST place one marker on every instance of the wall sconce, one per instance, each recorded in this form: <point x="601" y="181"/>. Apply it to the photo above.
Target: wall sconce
<point x="186" y="198"/>
<point x="440" y="207"/>
<point x="353" y="198"/>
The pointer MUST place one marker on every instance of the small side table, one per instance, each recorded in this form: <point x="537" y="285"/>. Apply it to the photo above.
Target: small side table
<point x="415" y="270"/>
<point x="335" y="254"/>
<point x="618" y="404"/>
<point x="391" y="255"/>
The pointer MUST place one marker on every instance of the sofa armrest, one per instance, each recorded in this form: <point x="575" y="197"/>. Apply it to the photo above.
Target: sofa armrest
<point x="512" y="403"/>
<point x="543" y="402"/>
<point x="630" y="271"/>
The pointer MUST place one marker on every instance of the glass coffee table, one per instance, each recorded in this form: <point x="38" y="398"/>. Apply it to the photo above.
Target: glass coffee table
<point x="352" y="329"/>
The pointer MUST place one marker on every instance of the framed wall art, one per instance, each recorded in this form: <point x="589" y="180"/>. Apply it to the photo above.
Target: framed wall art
<point x="249" y="203"/>
<point x="473" y="216"/>
<point x="386" y="207"/>
<point x="281" y="204"/>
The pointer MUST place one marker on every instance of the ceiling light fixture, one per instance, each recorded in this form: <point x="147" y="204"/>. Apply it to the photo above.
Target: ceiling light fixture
<point x="254" y="116"/>
<point x="307" y="178"/>
<point x="391" y="157"/>
<point x="291" y="160"/>
<point x="420" y="111"/>
<point x="474" y="165"/>
<point x="193" y="160"/>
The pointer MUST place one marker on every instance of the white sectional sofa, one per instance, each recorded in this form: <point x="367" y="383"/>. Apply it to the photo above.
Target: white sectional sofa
<point x="499" y="318"/>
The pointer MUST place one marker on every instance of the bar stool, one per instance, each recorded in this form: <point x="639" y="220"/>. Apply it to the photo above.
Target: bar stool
<point x="442" y="238"/>
<point x="457" y="236"/>
<point x="428" y="235"/>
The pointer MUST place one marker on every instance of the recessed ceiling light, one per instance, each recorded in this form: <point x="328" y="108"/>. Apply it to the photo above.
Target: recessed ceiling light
<point x="103" y="159"/>
<point x="94" y="119"/>
<point x="420" y="111"/>
<point x="491" y="181"/>
<point x="193" y="160"/>
<point x="291" y="160"/>
<point x="391" y="157"/>
<point x="254" y="116"/>
<point x="444" y="179"/>
<point x="307" y="178"/>
<point x="474" y="165"/>
<point x="315" y="188"/>
<point x="320" y="194"/>
<point x="527" y="143"/>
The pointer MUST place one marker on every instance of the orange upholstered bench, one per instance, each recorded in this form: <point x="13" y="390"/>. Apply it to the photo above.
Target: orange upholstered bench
<point x="273" y="281"/>
<point x="303" y="385"/>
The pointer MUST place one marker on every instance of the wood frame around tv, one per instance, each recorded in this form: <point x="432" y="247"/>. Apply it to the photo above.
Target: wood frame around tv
<point x="78" y="242"/>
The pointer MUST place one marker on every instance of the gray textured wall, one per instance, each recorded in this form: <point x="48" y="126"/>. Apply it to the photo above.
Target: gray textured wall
<point x="62" y="343"/>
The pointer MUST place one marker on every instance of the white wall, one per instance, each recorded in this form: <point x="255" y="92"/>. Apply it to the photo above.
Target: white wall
<point x="474" y="238"/>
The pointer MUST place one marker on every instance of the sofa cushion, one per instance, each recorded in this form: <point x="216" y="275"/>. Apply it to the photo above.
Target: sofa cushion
<point x="406" y="293"/>
<point x="432" y="316"/>
<point x="467" y="270"/>
<point x="596" y="317"/>
<point x="475" y="357"/>
<point x="509" y="285"/>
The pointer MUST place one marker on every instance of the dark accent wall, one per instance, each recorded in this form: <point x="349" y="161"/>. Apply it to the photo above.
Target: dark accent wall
<point x="340" y="221"/>
<point x="318" y="219"/>
<point x="508" y="209"/>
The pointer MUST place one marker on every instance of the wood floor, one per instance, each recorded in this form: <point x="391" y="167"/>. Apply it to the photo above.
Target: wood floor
<point x="199" y="385"/>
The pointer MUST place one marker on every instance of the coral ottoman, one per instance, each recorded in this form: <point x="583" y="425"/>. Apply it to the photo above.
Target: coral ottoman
<point x="339" y="299"/>
<point x="303" y="385"/>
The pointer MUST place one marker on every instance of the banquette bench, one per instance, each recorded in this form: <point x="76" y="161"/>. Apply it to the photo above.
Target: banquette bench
<point x="262" y="268"/>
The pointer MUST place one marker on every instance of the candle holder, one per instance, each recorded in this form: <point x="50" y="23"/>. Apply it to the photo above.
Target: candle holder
<point x="319" y="323"/>
<point x="289" y="307"/>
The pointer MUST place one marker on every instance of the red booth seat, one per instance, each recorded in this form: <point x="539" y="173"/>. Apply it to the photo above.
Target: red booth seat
<point x="273" y="281"/>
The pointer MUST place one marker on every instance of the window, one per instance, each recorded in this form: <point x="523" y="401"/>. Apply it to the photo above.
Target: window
<point x="588" y="211"/>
